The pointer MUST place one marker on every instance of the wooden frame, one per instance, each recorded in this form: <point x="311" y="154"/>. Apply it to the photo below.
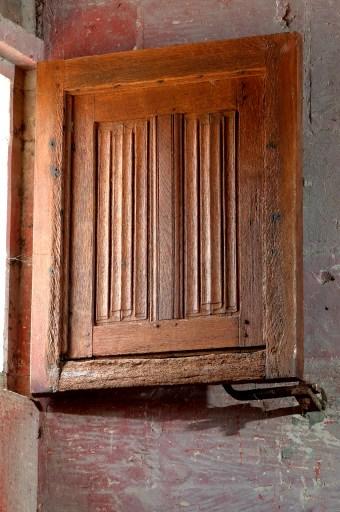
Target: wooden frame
<point x="20" y="52"/>
<point x="277" y="59"/>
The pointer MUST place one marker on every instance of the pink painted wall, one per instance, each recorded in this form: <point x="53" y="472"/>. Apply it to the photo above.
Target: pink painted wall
<point x="193" y="448"/>
<point x="19" y="432"/>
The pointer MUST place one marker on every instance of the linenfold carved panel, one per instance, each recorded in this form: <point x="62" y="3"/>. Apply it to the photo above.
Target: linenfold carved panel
<point x="166" y="218"/>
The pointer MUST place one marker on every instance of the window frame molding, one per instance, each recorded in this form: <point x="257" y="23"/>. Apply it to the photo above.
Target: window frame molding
<point x="19" y="53"/>
<point x="273" y="56"/>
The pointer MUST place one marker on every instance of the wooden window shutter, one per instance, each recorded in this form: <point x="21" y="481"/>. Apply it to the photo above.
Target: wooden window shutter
<point x="167" y="216"/>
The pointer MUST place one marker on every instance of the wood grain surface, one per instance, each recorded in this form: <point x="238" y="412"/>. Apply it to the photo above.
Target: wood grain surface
<point x="163" y="336"/>
<point x="81" y="227"/>
<point x="47" y="282"/>
<point x="282" y="225"/>
<point x="178" y="203"/>
<point x="146" y="371"/>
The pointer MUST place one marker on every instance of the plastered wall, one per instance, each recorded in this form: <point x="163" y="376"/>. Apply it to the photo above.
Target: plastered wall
<point x="193" y="448"/>
<point x="19" y="426"/>
<point x="22" y="12"/>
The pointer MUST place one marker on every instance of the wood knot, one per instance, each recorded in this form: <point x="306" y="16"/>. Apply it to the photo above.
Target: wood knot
<point x="276" y="217"/>
<point x="271" y="145"/>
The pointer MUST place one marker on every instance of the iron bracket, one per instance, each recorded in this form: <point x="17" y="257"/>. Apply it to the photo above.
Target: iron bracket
<point x="311" y="397"/>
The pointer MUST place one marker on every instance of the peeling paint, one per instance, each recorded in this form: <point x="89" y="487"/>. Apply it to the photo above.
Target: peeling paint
<point x="287" y="452"/>
<point x="324" y="276"/>
<point x="284" y="13"/>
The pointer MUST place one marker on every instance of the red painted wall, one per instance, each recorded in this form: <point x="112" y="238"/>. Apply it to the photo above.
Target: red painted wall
<point x="193" y="448"/>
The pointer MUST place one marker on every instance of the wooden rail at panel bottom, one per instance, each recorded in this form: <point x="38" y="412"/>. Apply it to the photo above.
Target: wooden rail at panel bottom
<point x="166" y="336"/>
<point x="227" y="366"/>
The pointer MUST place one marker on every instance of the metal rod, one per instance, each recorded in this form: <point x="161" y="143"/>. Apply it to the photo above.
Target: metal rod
<point x="310" y="396"/>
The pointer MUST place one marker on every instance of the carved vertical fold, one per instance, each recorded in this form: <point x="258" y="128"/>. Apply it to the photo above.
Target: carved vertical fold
<point x="210" y="200"/>
<point x="231" y="213"/>
<point x="117" y="221"/>
<point x="127" y="219"/>
<point x="205" y="203"/>
<point x="191" y="215"/>
<point x="217" y="217"/>
<point x="178" y="214"/>
<point x="167" y="189"/>
<point x="122" y="244"/>
<point x="140" y="260"/>
<point x="103" y="223"/>
<point x="152" y="228"/>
